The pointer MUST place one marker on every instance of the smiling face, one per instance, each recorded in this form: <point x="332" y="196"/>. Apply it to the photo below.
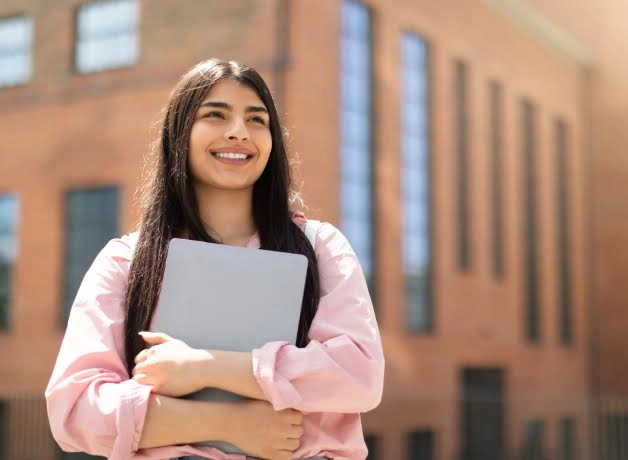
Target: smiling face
<point x="230" y="140"/>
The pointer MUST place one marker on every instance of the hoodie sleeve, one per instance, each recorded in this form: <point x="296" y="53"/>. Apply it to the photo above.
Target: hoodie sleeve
<point x="92" y="404"/>
<point x="342" y="367"/>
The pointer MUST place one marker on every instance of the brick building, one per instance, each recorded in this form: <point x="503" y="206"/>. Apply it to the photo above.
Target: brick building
<point x="470" y="150"/>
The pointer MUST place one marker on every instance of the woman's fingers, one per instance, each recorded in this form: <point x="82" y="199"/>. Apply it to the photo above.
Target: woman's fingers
<point x="154" y="338"/>
<point x="143" y="379"/>
<point x="296" y="432"/>
<point x="138" y="369"/>
<point x="141" y="356"/>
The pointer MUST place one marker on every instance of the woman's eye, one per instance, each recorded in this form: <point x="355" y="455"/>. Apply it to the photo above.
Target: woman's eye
<point x="213" y="115"/>
<point x="259" y="120"/>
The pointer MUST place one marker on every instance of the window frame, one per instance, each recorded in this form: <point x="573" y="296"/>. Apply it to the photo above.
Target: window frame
<point x="136" y="34"/>
<point x="462" y="184"/>
<point x="5" y="317"/>
<point x="530" y="243"/>
<point x="30" y="24"/>
<point x="424" y="155"/>
<point x="71" y="286"/>
<point x="366" y="250"/>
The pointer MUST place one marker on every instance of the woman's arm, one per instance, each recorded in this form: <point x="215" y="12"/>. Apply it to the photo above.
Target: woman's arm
<point x="340" y="370"/>
<point x="342" y="367"/>
<point x="92" y="404"/>
<point x="173" y="368"/>
<point x="254" y="426"/>
<point x="172" y="421"/>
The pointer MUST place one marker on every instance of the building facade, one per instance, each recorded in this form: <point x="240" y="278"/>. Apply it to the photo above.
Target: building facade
<point x="471" y="151"/>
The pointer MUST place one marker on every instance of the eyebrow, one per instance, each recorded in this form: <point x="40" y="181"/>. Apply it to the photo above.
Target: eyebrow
<point x="224" y="105"/>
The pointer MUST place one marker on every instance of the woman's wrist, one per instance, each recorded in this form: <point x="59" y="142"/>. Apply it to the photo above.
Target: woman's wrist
<point x="231" y="371"/>
<point x="210" y="370"/>
<point x="228" y="416"/>
<point x="221" y="367"/>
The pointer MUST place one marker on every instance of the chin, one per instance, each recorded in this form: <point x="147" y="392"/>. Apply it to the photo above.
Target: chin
<point x="233" y="187"/>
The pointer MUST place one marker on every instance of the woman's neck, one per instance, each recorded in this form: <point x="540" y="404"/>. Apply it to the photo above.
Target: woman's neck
<point x="227" y="214"/>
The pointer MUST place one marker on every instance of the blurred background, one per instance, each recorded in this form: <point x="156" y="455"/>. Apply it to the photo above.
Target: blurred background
<point x="474" y="152"/>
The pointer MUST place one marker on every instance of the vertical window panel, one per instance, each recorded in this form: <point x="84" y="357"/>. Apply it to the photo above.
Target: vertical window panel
<point x="568" y="439"/>
<point x="4" y="429"/>
<point x="483" y="417"/>
<point x="614" y="433"/>
<point x="8" y="253"/>
<point x="356" y="146"/>
<point x="462" y="159"/>
<point x="534" y="441"/>
<point x="420" y="445"/>
<point x="16" y="39"/>
<point x="372" y="444"/>
<point x="563" y="236"/>
<point x="416" y="183"/>
<point x="530" y="243"/>
<point x="496" y="173"/>
<point x="91" y="220"/>
<point x="107" y="35"/>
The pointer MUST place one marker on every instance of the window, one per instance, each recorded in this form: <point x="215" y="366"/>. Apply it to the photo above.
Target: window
<point x="91" y="220"/>
<point x="528" y="147"/>
<point x="372" y="446"/>
<point x="8" y="253"/>
<point x="415" y="175"/>
<point x="106" y="35"/>
<point x="420" y="445"/>
<point x="563" y="243"/>
<point x="16" y="38"/>
<point x="496" y="161"/>
<point x="534" y="443"/>
<point x="4" y="429"/>
<point x="356" y="147"/>
<point x="567" y="439"/>
<point x="483" y="414"/>
<point x="462" y="175"/>
<point x="615" y="433"/>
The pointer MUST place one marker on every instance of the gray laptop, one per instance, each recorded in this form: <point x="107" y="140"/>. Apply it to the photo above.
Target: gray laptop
<point x="229" y="298"/>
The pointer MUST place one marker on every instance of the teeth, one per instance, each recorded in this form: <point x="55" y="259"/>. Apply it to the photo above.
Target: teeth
<point x="232" y="156"/>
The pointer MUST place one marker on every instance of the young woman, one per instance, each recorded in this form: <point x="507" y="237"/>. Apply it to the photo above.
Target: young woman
<point x="220" y="174"/>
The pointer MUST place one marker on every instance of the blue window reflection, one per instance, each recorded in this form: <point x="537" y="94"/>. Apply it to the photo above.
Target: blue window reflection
<point x="415" y="174"/>
<point x="8" y="252"/>
<point x="16" y="38"/>
<point x="356" y="126"/>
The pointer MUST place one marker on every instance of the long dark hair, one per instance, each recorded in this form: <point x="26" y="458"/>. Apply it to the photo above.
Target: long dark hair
<point x="169" y="204"/>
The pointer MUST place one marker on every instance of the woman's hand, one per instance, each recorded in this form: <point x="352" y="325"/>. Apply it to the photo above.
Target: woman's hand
<point x="266" y="433"/>
<point x="170" y="366"/>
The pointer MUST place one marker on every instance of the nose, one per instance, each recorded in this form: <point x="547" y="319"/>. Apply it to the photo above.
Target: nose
<point x="237" y="131"/>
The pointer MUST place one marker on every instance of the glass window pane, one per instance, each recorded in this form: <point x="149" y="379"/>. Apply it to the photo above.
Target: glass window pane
<point x="420" y="445"/>
<point x="530" y="212"/>
<point x="356" y="154"/>
<point x="371" y="441"/>
<point x="568" y="439"/>
<point x="416" y="244"/>
<point x="107" y="35"/>
<point x="4" y="429"/>
<point x="8" y="253"/>
<point x="16" y="36"/>
<point x="91" y="220"/>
